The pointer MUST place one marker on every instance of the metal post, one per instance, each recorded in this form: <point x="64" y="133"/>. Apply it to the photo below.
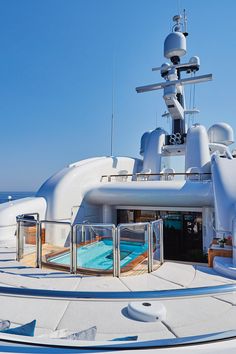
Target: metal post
<point x="161" y="241"/>
<point x="150" y="248"/>
<point x="72" y="257"/>
<point x="74" y="235"/>
<point x="18" y="243"/>
<point x="114" y="241"/>
<point x="82" y="234"/>
<point x="118" y="252"/>
<point x="90" y="235"/>
<point x="234" y="241"/>
<point x="38" y="245"/>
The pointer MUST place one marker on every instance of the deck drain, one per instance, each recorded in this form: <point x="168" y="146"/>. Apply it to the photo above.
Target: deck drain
<point x="147" y="311"/>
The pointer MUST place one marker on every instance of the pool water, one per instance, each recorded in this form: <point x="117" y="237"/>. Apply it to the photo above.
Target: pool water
<point x="99" y="255"/>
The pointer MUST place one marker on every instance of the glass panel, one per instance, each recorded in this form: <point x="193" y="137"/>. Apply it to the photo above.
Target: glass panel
<point x="56" y="245"/>
<point x="157" y="243"/>
<point x="95" y="248"/>
<point x="28" y="241"/>
<point x="133" y="248"/>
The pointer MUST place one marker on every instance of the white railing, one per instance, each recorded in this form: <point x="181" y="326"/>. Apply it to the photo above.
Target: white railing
<point x="166" y="176"/>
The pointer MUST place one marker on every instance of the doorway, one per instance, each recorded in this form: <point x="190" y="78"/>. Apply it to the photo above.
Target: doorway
<point x="182" y="231"/>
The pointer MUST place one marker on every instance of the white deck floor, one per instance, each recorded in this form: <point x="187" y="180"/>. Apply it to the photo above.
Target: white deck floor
<point x="185" y="316"/>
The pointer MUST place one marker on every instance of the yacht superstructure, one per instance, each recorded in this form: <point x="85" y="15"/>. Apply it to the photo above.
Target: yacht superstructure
<point x="124" y="216"/>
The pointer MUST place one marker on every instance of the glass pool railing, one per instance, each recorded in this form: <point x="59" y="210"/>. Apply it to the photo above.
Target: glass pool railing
<point x="92" y="248"/>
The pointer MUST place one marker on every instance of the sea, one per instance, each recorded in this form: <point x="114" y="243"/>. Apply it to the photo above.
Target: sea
<point x="8" y="196"/>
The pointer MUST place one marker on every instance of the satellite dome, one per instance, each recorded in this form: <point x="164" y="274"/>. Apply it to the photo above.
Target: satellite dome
<point x="175" y="45"/>
<point x="221" y="133"/>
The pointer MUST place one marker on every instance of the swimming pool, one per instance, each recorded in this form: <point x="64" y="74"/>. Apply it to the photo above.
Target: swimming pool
<point x="99" y="255"/>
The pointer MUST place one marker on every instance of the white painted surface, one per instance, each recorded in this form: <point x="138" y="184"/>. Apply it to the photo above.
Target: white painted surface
<point x="223" y="177"/>
<point x="9" y="212"/>
<point x="197" y="151"/>
<point x="147" y="311"/>
<point x="152" y="151"/>
<point x="67" y="188"/>
<point x="152" y="193"/>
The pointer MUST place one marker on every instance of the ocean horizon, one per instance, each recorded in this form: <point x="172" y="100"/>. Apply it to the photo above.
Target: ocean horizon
<point x="14" y="195"/>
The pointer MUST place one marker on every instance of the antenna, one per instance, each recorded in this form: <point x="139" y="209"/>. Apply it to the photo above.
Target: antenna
<point x="112" y="110"/>
<point x="173" y="85"/>
<point x="185" y="23"/>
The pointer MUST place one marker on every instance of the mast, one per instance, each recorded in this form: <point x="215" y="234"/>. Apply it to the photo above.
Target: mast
<point x="173" y="86"/>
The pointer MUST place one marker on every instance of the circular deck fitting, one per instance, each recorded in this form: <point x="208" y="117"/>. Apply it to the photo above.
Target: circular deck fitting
<point x="150" y="311"/>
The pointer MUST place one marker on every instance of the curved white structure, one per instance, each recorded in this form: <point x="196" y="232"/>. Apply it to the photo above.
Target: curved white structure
<point x="153" y="193"/>
<point x="10" y="210"/>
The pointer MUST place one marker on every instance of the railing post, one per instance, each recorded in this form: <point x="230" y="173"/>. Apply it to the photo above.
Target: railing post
<point x="150" y="248"/>
<point x="18" y="242"/>
<point x="82" y="234"/>
<point x="74" y="234"/>
<point x="234" y="241"/>
<point x="114" y="242"/>
<point x="73" y="249"/>
<point x="118" y="252"/>
<point x="38" y="245"/>
<point x="161" y="241"/>
<point x="72" y="257"/>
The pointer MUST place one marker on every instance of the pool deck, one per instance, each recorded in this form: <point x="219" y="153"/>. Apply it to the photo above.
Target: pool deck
<point x="48" y="249"/>
<point x="185" y="316"/>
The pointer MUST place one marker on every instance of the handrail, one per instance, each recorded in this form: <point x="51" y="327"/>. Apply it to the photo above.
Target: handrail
<point x="162" y="174"/>
<point x="120" y="295"/>
<point x="55" y="222"/>
<point x="158" y="174"/>
<point x="143" y="223"/>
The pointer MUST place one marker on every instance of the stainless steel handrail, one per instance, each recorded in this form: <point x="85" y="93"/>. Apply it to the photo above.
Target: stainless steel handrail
<point x="138" y="174"/>
<point x="54" y="222"/>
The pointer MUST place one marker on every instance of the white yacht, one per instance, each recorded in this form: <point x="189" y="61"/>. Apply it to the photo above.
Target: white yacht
<point x="115" y="254"/>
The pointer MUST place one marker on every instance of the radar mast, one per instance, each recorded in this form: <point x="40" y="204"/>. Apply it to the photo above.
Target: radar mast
<point x="175" y="47"/>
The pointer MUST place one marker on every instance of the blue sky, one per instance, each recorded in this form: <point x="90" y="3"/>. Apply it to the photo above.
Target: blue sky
<point x="57" y="59"/>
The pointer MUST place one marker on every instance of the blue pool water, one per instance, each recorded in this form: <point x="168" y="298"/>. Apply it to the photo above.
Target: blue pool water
<point x="98" y="255"/>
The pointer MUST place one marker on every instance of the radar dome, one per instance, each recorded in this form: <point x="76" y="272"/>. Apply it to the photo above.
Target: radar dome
<point x="221" y="133"/>
<point x="175" y="45"/>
